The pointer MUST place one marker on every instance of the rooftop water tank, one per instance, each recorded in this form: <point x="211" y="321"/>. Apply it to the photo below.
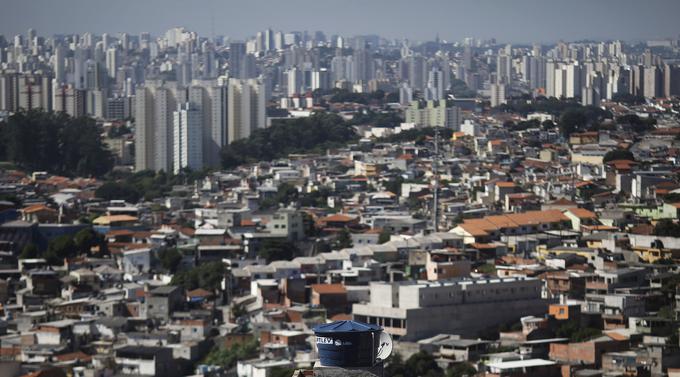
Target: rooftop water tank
<point x="348" y="344"/>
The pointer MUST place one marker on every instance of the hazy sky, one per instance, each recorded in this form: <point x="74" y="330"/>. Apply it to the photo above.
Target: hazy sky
<point x="506" y="20"/>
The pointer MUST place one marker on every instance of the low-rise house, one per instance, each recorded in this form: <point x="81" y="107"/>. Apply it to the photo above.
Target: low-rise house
<point x="162" y="301"/>
<point x="146" y="361"/>
<point x="332" y="297"/>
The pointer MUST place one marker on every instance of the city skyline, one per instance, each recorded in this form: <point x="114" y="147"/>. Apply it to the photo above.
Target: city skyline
<point x="263" y="188"/>
<point x="603" y="20"/>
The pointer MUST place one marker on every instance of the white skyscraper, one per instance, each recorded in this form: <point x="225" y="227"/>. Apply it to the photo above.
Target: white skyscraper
<point x="69" y="100"/>
<point x="293" y="81"/>
<point x="321" y="79"/>
<point x="60" y="64"/>
<point x="504" y="67"/>
<point x="246" y="99"/>
<point x="79" y="68"/>
<point x="435" y="85"/>
<point x="187" y="138"/>
<point x="572" y="83"/>
<point x="210" y="99"/>
<point x="550" y="72"/>
<point x="112" y="62"/>
<point x="405" y="94"/>
<point x="498" y="96"/>
<point x="417" y="71"/>
<point x="154" y="106"/>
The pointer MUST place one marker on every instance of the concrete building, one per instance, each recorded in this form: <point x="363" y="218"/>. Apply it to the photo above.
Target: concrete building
<point x="162" y="301"/>
<point x="209" y="97"/>
<point x="671" y="80"/>
<point x="155" y="102"/>
<point x="187" y="138"/>
<point x="433" y="114"/>
<point x="416" y="310"/>
<point x="34" y="91"/>
<point x="497" y="95"/>
<point x="146" y="361"/>
<point x="653" y="84"/>
<point x="70" y="100"/>
<point x="246" y="99"/>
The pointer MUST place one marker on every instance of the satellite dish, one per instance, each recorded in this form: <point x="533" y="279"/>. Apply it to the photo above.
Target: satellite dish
<point x="385" y="346"/>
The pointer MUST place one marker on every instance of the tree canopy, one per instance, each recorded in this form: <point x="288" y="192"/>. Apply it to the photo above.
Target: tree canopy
<point x="667" y="228"/>
<point x="418" y="135"/>
<point x="54" y="142"/>
<point x="618" y="154"/>
<point x="227" y="357"/>
<point x="145" y="184"/>
<point x="313" y="134"/>
<point x="169" y="257"/>
<point x="423" y="364"/>
<point x="207" y="276"/>
<point x="275" y="249"/>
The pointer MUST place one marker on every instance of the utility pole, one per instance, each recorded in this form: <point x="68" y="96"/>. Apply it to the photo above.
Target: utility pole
<point x="435" y="171"/>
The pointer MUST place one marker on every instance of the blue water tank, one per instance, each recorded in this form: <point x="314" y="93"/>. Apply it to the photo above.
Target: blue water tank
<point x="347" y="344"/>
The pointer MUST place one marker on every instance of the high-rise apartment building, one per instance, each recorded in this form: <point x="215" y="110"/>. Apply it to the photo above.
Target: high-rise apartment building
<point x="237" y="54"/>
<point x="652" y="82"/>
<point x="210" y="98"/>
<point x="433" y="114"/>
<point x="155" y="103"/>
<point x="112" y="62"/>
<point x="69" y="100"/>
<point x="187" y="138"/>
<point x="246" y="108"/>
<point x="435" y="85"/>
<point x="498" y="96"/>
<point x="34" y="91"/>
<point x="671" y="80"/>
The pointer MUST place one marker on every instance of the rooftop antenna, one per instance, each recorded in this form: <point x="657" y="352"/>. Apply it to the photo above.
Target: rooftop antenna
<point x="212" y="22"/>
<point x="435" y="171"/>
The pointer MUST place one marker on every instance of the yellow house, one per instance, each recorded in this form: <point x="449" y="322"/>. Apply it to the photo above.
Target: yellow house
<point x="652" y="255"/>
<point x="544" y="252"/>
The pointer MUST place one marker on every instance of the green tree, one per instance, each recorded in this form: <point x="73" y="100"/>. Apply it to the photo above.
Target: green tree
<point x="170" y="258"/>
<point x="281" y="372"/>
<point x="463" y="369"/>
<point x="667" y="228"/>
<point x="277" y="249"/>
<point x="317" y="198"/>
<point x="571" y="120"/>
<point x="118" y="191"/>
<point x="385" y="236"/>
<point x="87" y="238"/>
<point x="638" y="124"/>
<point x="29" y="251"/>
<point x="575" y="332"/>
<point x="60" y="248"/>
<point x="343" y="240"/>
<point x="147" y="184"/>
<point x="55" y="142"/>
<point x="207" y="276"/>
<point x="313" y="134"/>
<point x="238" y="310"/>
<point x="618" y="154"/>
<point x="285" y="194"/>
<point x="227" y="357"/>
<point x="422" y="364"/>
<point x="395" y="366"/>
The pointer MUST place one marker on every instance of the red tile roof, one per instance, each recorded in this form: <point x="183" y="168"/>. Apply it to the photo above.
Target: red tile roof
<point x="329" y="288"/>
